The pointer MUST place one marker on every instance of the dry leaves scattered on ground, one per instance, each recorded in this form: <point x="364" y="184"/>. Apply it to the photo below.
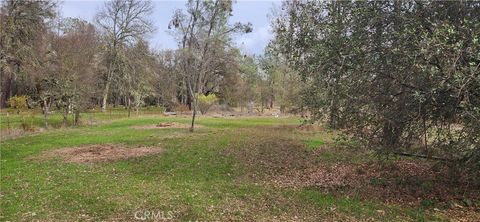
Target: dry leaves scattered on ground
<point x="273" y="159"/>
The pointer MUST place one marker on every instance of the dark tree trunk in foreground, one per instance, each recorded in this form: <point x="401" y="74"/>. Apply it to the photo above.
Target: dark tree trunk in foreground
<point x="194" y="114"/>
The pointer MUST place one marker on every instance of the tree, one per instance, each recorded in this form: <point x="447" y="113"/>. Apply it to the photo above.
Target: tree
<point x="202" y="34"/>
<point x="390" y="73"/>
<point x="76" y="50"/>
<point x="122" y="21"/>
<point x="136" y="73"/>
<point x="250" y="82"/>
<point x="23" y="24"/>
<point x="281" y="85"/>
<point x="168" y="84"/>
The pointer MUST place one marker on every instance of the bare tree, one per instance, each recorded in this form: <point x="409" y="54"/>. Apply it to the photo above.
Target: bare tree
<point x="76" y="48"/>
<point x="168" y="83"/>
<point x="202" y="32"/>
<point x="123" y="21"/>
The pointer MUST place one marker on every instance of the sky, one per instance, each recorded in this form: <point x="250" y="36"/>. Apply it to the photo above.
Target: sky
<point x="255" y="11"/>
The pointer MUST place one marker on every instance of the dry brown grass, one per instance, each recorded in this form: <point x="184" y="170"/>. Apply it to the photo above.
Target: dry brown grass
<point x="97" y="153"/>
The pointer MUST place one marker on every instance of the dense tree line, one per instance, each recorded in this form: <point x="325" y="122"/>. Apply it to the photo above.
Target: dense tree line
<point x="70" y="65"/>
<point x="402" y="77"/>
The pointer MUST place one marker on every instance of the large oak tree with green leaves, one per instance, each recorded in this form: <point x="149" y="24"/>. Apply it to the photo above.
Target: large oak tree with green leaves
<point x="401" y="76"/>
<point x="23" y="24"/>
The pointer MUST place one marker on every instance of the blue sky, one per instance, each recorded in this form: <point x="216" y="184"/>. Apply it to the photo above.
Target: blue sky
<point x="256" y="12"/>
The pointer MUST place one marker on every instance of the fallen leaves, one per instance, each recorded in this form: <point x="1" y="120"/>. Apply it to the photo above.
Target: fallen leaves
<point x="273" y="159"/>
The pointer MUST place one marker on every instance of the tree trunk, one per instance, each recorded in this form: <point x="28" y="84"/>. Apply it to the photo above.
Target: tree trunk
<point x="77" y="117"/>
<point x="46" y="110"/>
<point x="13" y="84"/>
<point x="105" y="96"/>
<point x="5" y="88"/>
<point x="189" y="102"/>
<point x="425" y="136"/>
<point x="333" y="119"/>
<point x="117" y="101"/>
<point x="65" y="116"/>
<point x="424" y="156"/>
<point x="129" y="107"/>
<point x="390" y="136"/>
<point x="194" y="113"/>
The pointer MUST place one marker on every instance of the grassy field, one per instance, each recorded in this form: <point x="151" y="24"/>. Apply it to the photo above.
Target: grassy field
<point x="228" y="169"/>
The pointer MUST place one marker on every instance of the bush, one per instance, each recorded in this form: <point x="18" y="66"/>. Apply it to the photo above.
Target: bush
<point x="205" y="102"/>
<point x="18" y="103"/>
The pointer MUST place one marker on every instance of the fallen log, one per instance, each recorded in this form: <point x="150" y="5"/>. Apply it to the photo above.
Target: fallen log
<point x="423" y="156"/>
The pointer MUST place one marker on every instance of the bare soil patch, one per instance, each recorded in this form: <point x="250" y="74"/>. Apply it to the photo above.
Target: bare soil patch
<point x="98" y="153"/>
<point x="166" y="125"/>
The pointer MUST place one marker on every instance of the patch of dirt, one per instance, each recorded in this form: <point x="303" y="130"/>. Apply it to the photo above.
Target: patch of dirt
<point x="166" y="125"/>
<point x="98" y="153"/>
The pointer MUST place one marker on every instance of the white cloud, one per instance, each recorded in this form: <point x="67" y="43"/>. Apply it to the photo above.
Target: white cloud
<point x="254" y="42"/>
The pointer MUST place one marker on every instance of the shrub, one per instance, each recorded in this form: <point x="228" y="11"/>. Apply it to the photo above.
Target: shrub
<point x="18" y="103"/>
<point x="205" y="102"/>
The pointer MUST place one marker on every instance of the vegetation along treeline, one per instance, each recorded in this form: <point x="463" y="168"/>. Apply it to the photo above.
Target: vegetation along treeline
<point x="400" y="77"/>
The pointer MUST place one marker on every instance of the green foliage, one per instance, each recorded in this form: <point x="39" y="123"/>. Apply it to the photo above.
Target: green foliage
<point x="206" y="101"/>
<point x="396" y="75"/>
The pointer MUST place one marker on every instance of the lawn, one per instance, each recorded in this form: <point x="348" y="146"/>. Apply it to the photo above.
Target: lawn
<point x="228" y="169"/>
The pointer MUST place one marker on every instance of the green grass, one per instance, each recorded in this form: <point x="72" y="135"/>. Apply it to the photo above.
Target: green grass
<point x="314" y="143"/>
<point x="194" y="178"/>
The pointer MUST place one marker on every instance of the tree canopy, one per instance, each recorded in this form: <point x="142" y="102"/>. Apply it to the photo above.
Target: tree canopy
<point x="397" y="75"/>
